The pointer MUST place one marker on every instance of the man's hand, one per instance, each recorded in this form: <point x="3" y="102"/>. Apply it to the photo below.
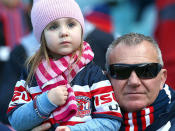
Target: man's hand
<point x="43" y="127"/>
<point x="62" y="128"/>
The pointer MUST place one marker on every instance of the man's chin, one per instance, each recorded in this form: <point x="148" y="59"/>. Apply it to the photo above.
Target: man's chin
<point x="134" y="106"/>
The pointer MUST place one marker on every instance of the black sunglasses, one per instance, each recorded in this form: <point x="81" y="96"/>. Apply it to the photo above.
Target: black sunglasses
<point x="143" y="71"/>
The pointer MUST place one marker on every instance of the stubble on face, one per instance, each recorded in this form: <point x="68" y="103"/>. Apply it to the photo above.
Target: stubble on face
<point x="134" y="94"/>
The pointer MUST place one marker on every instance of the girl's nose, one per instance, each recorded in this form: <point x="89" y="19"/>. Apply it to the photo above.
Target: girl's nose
<point x="63" y="35"/>
<point x="63" y="32"/>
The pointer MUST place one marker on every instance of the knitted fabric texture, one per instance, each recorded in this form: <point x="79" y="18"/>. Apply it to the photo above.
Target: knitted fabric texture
<point x="62" y="72"/>
<point x="45" y="11"/>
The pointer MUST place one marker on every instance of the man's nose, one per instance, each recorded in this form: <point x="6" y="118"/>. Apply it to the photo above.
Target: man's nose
<point x="134" y="80"/>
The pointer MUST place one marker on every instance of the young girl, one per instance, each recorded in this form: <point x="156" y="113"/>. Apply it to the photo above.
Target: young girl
<point x="62" y="85"/>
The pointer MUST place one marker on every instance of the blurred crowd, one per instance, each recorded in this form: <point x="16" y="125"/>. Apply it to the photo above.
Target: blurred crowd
<point x="105" y="20"/>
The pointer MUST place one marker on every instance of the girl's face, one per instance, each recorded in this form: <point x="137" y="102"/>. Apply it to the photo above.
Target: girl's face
<point x="63" y="36"/>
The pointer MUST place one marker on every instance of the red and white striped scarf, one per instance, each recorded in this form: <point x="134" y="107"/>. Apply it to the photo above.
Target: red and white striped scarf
<point x="139" y="121"/>
<point x="62" y="72"/>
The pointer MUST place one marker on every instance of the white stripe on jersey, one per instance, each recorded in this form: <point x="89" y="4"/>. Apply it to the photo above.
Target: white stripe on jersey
<point x="35" y="89"/>
<point x="79" y="119"/>
<point x="20" y="83"/>
<point x="81" y="88"/>
<point x="100" y="84"/>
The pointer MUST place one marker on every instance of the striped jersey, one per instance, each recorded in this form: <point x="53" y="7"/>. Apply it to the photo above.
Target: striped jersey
<point x="93" y="92"/>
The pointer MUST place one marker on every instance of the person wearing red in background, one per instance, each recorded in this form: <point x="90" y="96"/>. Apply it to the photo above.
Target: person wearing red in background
<point x="13" y="66"/>
<point x="13" y="22"/>
<point x="101" y="33"/>
<point x="13" y="26"/>
<point x="165" y="35"/>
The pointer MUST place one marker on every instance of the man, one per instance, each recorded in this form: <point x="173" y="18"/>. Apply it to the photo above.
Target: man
<point x="135" y="68"/>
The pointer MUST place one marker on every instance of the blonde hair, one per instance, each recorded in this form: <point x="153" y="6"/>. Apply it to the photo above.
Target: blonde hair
<point x="43" y="53"/>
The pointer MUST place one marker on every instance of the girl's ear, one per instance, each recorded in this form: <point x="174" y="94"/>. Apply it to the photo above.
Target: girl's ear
<point x="163" y="77"/>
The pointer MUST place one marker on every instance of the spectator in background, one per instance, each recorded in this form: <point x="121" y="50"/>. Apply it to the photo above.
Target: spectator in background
<point x="99" y="42"/>
<point x="13" y="27"/>
<point x="101" y="33"/>
<point x="165" y="35"/>
<point x="141" y="5"/>
<point x="13" y="22"/>
<point x="134" y="16"/>
<point x="12" y="68"/>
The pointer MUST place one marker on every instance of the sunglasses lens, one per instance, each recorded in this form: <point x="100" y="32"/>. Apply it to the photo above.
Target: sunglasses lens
<point x="143" y="71"/>
<point x="148" y="71"/>
<point x="120" y="71"/>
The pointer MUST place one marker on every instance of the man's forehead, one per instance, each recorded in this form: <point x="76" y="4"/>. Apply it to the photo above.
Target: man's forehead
<point x="141" y="53"/>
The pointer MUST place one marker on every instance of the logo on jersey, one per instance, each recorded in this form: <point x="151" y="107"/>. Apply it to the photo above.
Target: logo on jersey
<point x="106" y="101"/>
<point x="83" y="104"/>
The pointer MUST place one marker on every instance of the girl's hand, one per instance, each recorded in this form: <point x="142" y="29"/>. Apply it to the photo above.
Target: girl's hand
<point x="62" y="128"/>
<point x="58" y="95"/>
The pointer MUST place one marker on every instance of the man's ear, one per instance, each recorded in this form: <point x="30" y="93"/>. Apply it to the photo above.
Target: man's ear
<point x="105" y="72"/>
<point x="163" y="77"/>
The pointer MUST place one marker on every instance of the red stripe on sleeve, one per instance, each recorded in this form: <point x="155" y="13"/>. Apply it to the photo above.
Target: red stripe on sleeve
<point x="101" y="90"/>
<point x="111" y="113"/>
<point x="78" y="93"/>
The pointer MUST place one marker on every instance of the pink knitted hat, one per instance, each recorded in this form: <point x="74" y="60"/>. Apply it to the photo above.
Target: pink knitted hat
<point x="45" y="11"/>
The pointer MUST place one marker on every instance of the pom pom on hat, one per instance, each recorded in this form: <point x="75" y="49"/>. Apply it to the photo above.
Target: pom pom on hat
<point x="45" y="11"/>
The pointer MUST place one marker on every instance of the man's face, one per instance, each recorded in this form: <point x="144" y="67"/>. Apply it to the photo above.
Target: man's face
<point x="134" y="94"/>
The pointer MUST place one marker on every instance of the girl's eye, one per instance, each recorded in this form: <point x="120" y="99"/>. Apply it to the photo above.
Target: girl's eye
<point x="72" y="24"/>
<point x="53" y="27"/>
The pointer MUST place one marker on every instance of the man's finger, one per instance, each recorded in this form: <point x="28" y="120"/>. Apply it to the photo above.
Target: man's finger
<point x="42" y="127"/>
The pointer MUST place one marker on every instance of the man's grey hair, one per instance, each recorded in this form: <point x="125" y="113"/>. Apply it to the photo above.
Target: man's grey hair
<point x="133" y="39"/>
